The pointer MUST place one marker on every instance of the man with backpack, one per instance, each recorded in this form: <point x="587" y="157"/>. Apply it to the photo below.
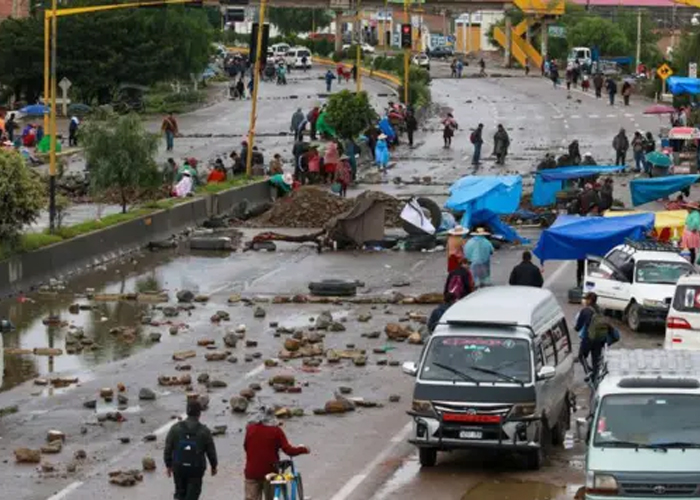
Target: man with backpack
<point x="460" y="281"/>
<point x="476" y="139"/>
<point x="188" y="446"/>
<point x="595" y="333"/>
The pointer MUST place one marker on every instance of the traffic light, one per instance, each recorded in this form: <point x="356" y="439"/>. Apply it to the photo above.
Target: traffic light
<point x="406" y="36"/>
<point x="253" y="44"/>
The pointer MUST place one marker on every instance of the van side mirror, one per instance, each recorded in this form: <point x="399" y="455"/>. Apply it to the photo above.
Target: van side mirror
<point x="410" y="368"/>
<point x="546" y="373"/>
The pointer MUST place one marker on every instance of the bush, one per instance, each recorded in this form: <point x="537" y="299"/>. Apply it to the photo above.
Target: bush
<point x="338" y="55"/>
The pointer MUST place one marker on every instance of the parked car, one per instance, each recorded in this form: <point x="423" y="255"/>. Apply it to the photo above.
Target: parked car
<point x="441" y="52"/>
<point x="637" y="279"/>
<point x="279" y="49"/>
<point x="296" y="54"/>
<point x="494" y="378"/>
<point x="366" y="48"/>
<point x="422" y="61"/>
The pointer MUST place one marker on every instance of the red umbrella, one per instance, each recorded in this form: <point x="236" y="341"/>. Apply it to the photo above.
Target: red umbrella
<point x="660" y="109"/>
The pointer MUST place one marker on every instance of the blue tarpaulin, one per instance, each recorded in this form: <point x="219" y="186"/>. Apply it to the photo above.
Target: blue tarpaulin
<point x="683" y="85"/>
<point x="646" y="190"/>
<point x="548" y="182"/>
<point x="498" y="193"/>
<point x="497" y="226"/>
<point x="572" y="237"/>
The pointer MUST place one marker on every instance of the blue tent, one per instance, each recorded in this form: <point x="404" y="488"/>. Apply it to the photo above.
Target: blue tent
<point x="646" y="190"/>
<point x="548" y="182"/>
<point x="35" y="109"/>
<point x="497" y="226"/>
<point x="683" y="85"/>
<point x="572" y="237"/>
<point x="498" y="193"/>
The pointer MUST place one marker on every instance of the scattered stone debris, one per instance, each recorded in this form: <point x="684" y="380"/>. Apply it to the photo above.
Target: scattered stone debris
<point x="125" y="440"/>
<point x="415" y="338"/>
<point x="394" y="398"/>
<point x="90" y="404"/>
<point x="345" y="390"/>
<point x="271" y="363"/>
<point x="216" y="356"/>
<point x="365" y="317"/>
<point x="164" y="380"/>
<point x="206" y="342"/>
<point x="203" y="378"/>
<point x="52" y="447"/>
<point x="247" y="393"/>
<point x="80" y="455"/>
<point x="107" y="393"/>
<point x="148" y="464"/>
<point x="183" y="355"/>
<point x="259" y="312"/>
<point x="395" y="331"/>
<point x="54" y="435"/>
<point x="238" y="404"/>
<point x="183" y="368"/>
<point x="232" y="359"/>
<point x="336" y="326"/>
<point x="217" y="384"/>
<point x="27" y="456"/>
<point x="71" y="467"/>
<point x="170" y="312"/>
<point x="201" y="299"/>
<point x="154" y="336"/>
<point x="324" y="320"/>
<point x="8" y="410"/>
<point x="286" y="380"/>
<point x="219" y="430"/>
<point x="149" y="438"/>
<point x="233" y="299"/>
<point x="174" y="330"/>
<point x="185" y="296"/>
<point x="47" y="467"/>
<point x="220" y="316"/>
<point x="230" y="340"/>
<point x="251" y="343"/>
<point x="371" y="335"/>
<point x="125" y="478"/>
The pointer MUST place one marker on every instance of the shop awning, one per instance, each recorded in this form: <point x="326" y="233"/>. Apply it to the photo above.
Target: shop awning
<point x="548" y="182"/>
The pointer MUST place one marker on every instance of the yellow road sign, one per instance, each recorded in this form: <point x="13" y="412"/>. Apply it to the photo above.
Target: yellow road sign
<point x="664" y="71"/>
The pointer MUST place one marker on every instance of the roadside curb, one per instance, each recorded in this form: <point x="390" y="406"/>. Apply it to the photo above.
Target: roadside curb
<point x="26" y="271"/>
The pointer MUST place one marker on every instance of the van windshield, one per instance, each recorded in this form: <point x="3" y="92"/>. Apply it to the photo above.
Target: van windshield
<point x="648" y="421"/>
<point x="662" y="273"/>
<point x="478" y="359"/>
<point x="303" y="53"/>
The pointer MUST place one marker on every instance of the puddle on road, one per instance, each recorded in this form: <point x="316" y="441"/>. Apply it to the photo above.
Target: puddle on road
<point x="516" y="490"/>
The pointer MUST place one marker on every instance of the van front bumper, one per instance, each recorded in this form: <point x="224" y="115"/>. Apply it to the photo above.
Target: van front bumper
<point x="517" y="434"/>
<point x="653" y="314"/>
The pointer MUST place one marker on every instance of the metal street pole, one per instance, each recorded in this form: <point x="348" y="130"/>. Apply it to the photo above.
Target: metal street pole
<point x="52" y="148"/>
<point x="406" y="58"/>
<point x="639" y="37"/>
<point x="385" y="43"/>
<point x="256" y="81"/>
<point x="47" y="47"/>
<point x="358" y="56"/>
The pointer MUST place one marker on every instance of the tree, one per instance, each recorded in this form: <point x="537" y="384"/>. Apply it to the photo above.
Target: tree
<point x="121" y="155"/>
<point x="602" y="33"/>
<point x="293" y="20"/>
<point x="22" y="196"/>
<point x="350" y="113"/>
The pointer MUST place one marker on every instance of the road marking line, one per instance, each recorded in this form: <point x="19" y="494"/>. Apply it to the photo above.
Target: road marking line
<point x="593" y="116"/>
<point x="66" y="491"/>
<point x="254" y="371"/>
<point x="611" y="116"/>
<point x="555" y="275"/>
<point x="355" y="481"/>
<point x="629" y="115"/>
<point x="575" y="117"/>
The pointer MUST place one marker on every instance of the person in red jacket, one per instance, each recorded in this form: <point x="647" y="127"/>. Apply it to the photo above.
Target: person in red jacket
<point x="264" y="438"/>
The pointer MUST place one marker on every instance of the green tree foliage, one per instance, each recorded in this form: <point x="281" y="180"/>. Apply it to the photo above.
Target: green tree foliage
<point x="121" y="155"/>
<point x="686" y="52"/>
<point x="627" y="20"/>
<point x="602" y="33"/>
<point x="350" y="113"/>
<point x="21" y="197"/>
<point x="293" y="20"/>
<point x="99" y="51"/>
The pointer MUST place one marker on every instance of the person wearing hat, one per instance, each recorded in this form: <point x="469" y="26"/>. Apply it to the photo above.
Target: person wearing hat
<point x="588" y="160"/>
<point x="478" y="251"/>
<point x="381" y="153"/>
<point x="449" y="126"/>
<point x="455" y="247"/>
<point x="283" y="182"/>
<point x="264" y="438"/>
<point x="188" y="446"/>
<point x="183" y="188"/>
<point x="343" y="176"/>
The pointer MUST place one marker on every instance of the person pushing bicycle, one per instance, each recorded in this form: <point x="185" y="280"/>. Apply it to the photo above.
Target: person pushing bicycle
<point x="264" y="438"/>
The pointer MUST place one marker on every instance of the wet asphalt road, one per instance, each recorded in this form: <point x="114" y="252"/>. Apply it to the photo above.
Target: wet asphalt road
<point x="355" y="456"/>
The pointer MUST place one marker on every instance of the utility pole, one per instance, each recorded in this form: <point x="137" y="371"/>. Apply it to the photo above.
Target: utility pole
<point x="256" y="83"/>
<point x="52" y="139"/>
<point x="358" y="56"/>
<point x="639" y="37"/>
<point x="406" y="58"/>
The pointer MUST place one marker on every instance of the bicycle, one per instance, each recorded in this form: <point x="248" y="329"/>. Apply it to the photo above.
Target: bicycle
<point x="286" y="483"/>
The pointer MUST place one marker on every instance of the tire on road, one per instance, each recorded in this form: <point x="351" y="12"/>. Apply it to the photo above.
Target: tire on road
<point x="575" y="295"/>
<point x="333" y="288"/>
<point x="562" y="425"/>
<point x="431" y="209"/>
<point x="418" y="242"/>
<point x="211" y="243"/>
<point x="427" y="457"/>
<point x="634" y="317"/>
<point x="535" y="458"/>
<point x="300" y="487"/>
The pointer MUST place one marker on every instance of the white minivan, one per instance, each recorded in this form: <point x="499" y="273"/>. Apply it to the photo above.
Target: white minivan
<point x="295" y="57"/>
<point x="683" y="321"/>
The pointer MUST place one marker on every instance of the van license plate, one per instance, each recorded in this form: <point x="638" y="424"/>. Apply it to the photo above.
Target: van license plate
<point x="470" y="435"/>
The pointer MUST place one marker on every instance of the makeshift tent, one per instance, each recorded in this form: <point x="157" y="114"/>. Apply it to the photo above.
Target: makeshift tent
<point x="497" y="226"/>
<point x="548" y="182"/>
<point x="646" y="190"/>
<point x="683" y="85"/>
<point x="363" y="222"/>
<point x="498" y="193"/>
<point x="572" y="237"/>
<point x="672" y="221"/>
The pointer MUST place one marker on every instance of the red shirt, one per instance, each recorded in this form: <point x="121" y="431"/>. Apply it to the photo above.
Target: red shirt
<point x="216" y="176"/>
<point x="262" y="444"/>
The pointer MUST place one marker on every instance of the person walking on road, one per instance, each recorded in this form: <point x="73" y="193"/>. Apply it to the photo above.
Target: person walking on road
<point x="621" y="144"/>
<point x="10" y="127"/>
<point x="526" y="273"/>
<point x="482" y="67"/>
<point x="436" y="314"/>
<point x="501" y="142"/>
<point x="626" y="92"/>
<point x="478" y="251"/>
<point x="411" y="126"/>
<point x="638" y="151"/>
<point x="329" y="80"/>
<point x="73" y="131"/>
<point x="381" y="153"/>
<point x="312" y="118"/>
<point x="611" y="87"/>
<point x="449" y="126"/>
<point x="264" y="438"/>
<point x="455" y="247"/>
<point x="297" y="119"/>
<point x="170" y="129"/>
<point x="460" y="281"/>
<point x="188" y="446"/>
<point x="477" y="140"/>
<point x="598" y="82"/>
<point x="592" y="329"/>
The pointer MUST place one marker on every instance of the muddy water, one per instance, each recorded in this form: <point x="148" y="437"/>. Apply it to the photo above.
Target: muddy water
<point x="516" y="490"/>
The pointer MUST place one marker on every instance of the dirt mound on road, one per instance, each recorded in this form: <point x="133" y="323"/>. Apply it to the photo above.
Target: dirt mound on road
<point x="312" y="207"/>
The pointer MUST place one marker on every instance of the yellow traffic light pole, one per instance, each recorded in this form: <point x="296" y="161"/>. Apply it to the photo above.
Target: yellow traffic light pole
<point x="256" y="81"/>
<point x="406" y="58"/>
<point x="50" y="41"/>
<point x="358" y="57"/>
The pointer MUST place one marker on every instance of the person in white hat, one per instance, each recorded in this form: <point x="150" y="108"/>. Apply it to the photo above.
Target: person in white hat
<point x="381" y="153"/>
<point x="455" y="247"/>
<point x="479" y="250"/>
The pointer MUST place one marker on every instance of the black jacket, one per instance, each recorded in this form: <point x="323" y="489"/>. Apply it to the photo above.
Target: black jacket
<point x="204" y="440"/>
<point x="436" y="315"/>
<point x="526" y="274"/>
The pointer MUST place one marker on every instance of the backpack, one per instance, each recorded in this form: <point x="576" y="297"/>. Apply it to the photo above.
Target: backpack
<point x="472" y="137"/>
<point x="187" y="453"/>
<point x="598" y="328"/>
<point x="456" y="287"/>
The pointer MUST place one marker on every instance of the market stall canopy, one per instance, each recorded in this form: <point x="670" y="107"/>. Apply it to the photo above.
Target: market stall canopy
<point x="673" y="220"/>
<point x="646" y="190"/>
<point x="684" y="133"/>
<point x="658" y="159"/>
<point x="497" y="226"/>
<point x="548" y="182"/>
<point x="497" y="193"/>
<point x="34" y="110"/>
<point x="572" y="237"/>
<point x="677" y="85"/>
<point x="660" y="109"/>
